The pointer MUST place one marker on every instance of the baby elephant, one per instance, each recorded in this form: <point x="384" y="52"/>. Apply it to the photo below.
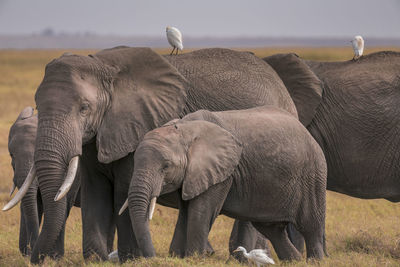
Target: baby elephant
<point x="259" y="165"/>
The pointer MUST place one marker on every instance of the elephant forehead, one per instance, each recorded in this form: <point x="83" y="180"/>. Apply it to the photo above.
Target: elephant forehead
<point x="166" y="135"/>
<point x="68" y="63"/>
<point x="22" y="131"/>
<point x="167" y="140"/>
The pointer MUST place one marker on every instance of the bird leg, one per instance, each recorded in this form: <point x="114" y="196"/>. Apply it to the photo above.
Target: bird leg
<point x="173" y="51"/>
<point x="176" y="51"/>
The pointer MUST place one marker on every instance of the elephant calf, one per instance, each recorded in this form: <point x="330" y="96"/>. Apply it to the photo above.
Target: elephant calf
<point x="259" y="165"/>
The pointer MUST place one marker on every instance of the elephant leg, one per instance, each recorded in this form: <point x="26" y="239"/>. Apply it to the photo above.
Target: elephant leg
<point x="128" y="248"/>
<point x="295" y="237"/>
<point x="277" y="234"/>
<point x="315" y="241"/>
<point x="201" y="214"/>
<point x="24" y="246"/>
<point x="23" y="236"/>
<point x="97" y="214"/>
<point x="243" y="234"/>
<point x="59" y="245"/>
<point x="177" y="247"/>
<point x="178" y="243"/>
<point x="110" y="239"/>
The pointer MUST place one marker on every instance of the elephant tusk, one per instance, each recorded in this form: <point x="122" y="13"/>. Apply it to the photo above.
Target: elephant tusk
<point x="69" y="178"/>
<point x="12" y="189"/>
<point x="151" y="211"/>
<point x="152" y="207"/>
<point x="22" y="191"/>
<point x="123" y="208"/>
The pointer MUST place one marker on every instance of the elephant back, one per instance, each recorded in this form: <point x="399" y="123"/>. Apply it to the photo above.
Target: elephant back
<point x="223" y="79"/>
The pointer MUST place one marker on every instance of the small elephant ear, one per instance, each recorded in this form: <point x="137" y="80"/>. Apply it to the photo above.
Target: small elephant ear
<point x="212" y="156"/>
<point x="147" y="92"/>
<point x="26" y="113"/>
<point x="303" y="85"/>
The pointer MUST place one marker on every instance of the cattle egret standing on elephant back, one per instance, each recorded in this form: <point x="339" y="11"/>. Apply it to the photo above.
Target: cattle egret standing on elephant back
<point x="174" y="37"/>
<point x="358" y="46"/>
<point x="259" y="256"/>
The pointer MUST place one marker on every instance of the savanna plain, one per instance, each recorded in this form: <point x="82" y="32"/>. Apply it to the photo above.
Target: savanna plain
<point x="359" y="232"/>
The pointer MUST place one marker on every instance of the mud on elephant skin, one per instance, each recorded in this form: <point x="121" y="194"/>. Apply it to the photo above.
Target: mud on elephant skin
<point x="21" y="146"/>
<point x="112" y="98"/>
<point x="259" y="165"/>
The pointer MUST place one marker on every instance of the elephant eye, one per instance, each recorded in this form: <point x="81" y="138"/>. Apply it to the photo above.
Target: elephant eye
<point x="165" y="166"/>
<point x="84" y="108"/>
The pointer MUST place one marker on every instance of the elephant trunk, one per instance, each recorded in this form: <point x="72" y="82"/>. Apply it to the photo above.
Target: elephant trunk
<point x="140" y="194"/>
<point x="29" y="220"/>
<point x="51" y="164"/>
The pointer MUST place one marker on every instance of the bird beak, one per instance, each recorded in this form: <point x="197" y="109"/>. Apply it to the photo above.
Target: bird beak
<point x="236" y="250"/>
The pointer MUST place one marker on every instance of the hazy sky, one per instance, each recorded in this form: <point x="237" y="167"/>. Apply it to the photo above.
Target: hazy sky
<point x="221" y="18"/>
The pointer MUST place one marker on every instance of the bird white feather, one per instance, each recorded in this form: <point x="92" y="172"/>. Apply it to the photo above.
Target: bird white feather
<point x="174" y="37"/>
<point x="259" y="256"/>
<point x="358" y="46"/>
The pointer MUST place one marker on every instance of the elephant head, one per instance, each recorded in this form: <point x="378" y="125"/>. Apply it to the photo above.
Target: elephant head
<point x="21" y="145"/>
<point x="113" y="97"/>
<point x="191" y="155"/>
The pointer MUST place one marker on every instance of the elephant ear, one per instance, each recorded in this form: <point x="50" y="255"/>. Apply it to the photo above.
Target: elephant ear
<point x="303" y="85"/>
<point x="25" y="113"/>
<point x="147" y="92"/>
<point x="212" y="156"/>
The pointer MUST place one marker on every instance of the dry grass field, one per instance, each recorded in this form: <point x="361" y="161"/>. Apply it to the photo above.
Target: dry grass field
<point x="359" y="232"/>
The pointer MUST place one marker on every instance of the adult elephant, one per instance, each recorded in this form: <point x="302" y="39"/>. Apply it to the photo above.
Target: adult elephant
<point x="103" y="104"/>
<point x="355" y="118"/>
<point x="21" y="146"/>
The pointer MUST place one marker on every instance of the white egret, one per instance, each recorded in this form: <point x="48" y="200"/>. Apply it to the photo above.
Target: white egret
<point x="358" y="46"/>
<point x="113" y="256"/>
<point x="174" y="37"/>
<point x="259" y="256"/>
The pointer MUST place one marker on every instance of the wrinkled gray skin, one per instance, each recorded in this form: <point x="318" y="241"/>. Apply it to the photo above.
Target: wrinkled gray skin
<point x="355" y="121"/>
<point x="259" y="165"/>
<point x="100" y="106"/>
<point x="21" y="145"/>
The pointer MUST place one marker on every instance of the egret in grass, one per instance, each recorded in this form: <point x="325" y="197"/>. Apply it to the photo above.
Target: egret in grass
<point x="259" y="256"/>
<point x="358" y="46"/>
<point x="174" y="37"/>
<point x="113" y="256"/>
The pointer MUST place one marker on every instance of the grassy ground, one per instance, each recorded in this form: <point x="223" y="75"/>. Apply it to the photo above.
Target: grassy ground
<point x="359" y="232"/>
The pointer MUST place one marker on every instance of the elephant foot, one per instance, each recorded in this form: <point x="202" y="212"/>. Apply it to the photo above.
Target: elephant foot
<point x="209" y="249"/>
<point x="93" y="257"/>
<point x="26" y="252"/>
